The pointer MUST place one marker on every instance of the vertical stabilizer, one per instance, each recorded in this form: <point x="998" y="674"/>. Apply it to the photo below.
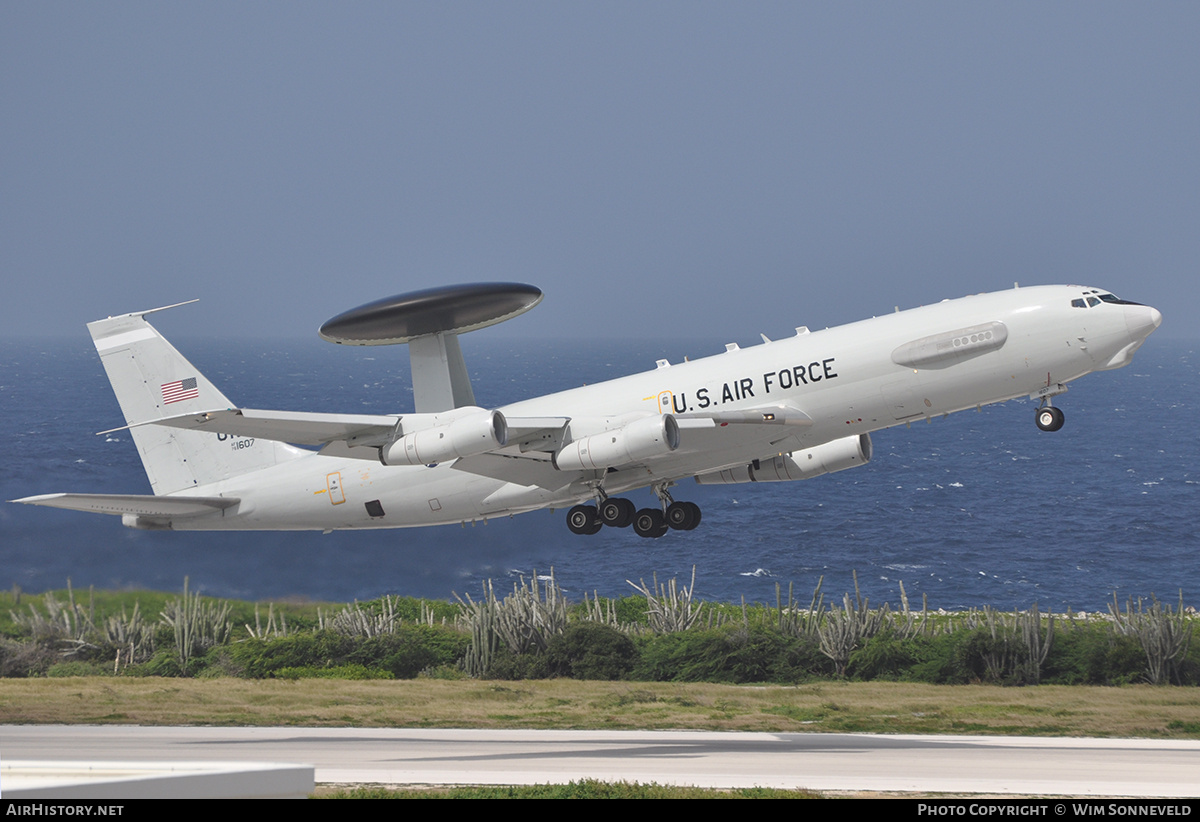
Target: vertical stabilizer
<point x="153" y="381"/>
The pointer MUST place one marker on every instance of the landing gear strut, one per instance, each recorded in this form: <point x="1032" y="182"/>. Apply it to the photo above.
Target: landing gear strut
<point x="677" y="515"/>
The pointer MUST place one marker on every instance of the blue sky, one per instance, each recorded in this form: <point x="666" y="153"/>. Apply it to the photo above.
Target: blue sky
<point x="658" y="169"/>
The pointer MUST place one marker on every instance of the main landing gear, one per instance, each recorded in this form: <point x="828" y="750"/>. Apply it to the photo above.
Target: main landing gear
<point x="652" y="523"/>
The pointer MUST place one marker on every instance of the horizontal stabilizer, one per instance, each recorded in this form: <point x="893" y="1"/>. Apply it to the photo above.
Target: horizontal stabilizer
<point x="290" y="426"/>
<point x="136" y="504"/>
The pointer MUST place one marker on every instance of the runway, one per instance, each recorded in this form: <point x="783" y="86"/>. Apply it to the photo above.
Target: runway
<point x="833" y="762"/>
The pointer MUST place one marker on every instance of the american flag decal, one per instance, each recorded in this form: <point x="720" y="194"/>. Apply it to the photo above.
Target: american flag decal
<point x="180" y="390"/>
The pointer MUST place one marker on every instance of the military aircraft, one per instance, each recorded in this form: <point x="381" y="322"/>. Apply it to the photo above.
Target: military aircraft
<point x="784" y="410"/>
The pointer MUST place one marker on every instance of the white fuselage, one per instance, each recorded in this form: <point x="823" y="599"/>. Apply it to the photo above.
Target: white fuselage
<point x="852" y="379"/>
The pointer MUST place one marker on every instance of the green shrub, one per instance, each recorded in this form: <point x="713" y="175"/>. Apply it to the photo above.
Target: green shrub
<point x="1094" y="655"/>
<point x="403" y="655"/>
<point x="730" y="654"/>
<point x="164" y="663"/>
<point x="939" y="660"/>
<point x="261" y="658"/>
<point x="410" y="650"/>
<point x="884" y="656"/>
<point x="76" y="667"/>
<point x="589" y="650"/>
<point x="514" y="667"/>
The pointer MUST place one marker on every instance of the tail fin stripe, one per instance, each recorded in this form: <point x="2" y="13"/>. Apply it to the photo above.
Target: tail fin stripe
<point x="117" y="340"/>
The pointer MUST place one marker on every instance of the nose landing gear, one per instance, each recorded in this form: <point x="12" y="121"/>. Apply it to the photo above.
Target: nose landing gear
<point x="1049" y="418"/>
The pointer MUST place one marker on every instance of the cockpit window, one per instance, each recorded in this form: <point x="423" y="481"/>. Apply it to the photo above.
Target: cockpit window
<point x="1115" y="300"/>
<point x="1089" y="301"/>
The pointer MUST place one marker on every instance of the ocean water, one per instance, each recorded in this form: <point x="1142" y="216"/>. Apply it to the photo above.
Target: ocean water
<point x="974" y="509"/>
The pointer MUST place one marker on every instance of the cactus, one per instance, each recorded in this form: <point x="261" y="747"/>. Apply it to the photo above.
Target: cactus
<point x="524" y="621"/>
<point x="1015" y="649"/>
<point x="795" y="622"/>
<point x="132" y="636"/>
<point x="1164" y="635"/>
<point x="198" y="625"/>
<point x="356" y="621"/>
<point x="273" y="629"/>
<point x="844" y="629"/>
<point x="669" y="608"/>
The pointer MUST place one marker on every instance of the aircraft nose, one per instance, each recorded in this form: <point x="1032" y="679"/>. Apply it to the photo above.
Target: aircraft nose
<point x="1142" y="320"/>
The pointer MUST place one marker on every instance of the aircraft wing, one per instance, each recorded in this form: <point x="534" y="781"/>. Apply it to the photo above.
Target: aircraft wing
<point x="707" y="442"/>
<point x="289" y="426"/>
<point x="707" y="439"/>
<point x="523" y="470"/>
<point x="138" y="504"/>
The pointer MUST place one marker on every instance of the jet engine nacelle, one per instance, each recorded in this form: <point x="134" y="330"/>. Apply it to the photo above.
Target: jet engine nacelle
<point x="641" y="439"/>
<point x="848" y="452"/>
<point x="474" y="432"/>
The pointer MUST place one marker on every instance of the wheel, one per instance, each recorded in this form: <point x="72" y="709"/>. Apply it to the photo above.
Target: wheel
<point x="616" y="513"/>
<point x="683" y="516"/>
<point x="582" y="519"/>
<point x="649" y="522"/>
<point x="1050" y="418"/>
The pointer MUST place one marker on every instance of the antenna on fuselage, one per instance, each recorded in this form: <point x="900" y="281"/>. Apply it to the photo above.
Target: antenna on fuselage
<point x="430" y="322"/>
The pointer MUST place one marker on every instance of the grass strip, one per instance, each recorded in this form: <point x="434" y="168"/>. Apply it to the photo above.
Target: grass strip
<point x="862" y="707"/>
<point x="583" y="789"/>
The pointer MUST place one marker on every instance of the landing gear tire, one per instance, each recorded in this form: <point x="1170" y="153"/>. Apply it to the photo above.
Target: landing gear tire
<point x="683" y="516"/>
<point x="583" y="519"/>
<point x="649" y="522"/>
<point x="1050" y="418"/>
<point x="617" y="513"/>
